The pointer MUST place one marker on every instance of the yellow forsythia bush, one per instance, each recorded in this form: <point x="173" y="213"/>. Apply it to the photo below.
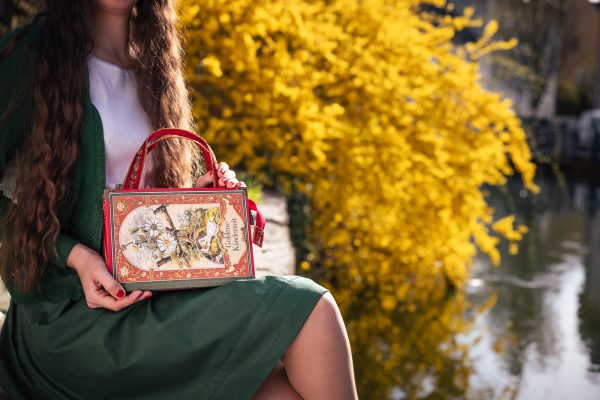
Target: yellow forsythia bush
<point x="370" y="110"/>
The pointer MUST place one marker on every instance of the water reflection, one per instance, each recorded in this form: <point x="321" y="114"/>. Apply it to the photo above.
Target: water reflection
<point x="527" y="330"/>
<point x="589" y="311"/>
<point x="547" y="311"/>
<point x="413" y="355"/>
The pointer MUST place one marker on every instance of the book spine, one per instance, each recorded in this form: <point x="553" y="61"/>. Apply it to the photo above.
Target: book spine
<point x="107" y="242"/>
<point x="249" y="240"/>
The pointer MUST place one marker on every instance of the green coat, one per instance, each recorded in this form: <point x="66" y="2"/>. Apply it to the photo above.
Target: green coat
<point x="81" y="214"/>
<point x="213" y="343"/>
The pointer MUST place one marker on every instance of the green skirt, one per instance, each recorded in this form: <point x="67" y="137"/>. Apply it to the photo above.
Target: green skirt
<point x="214" y="343"/>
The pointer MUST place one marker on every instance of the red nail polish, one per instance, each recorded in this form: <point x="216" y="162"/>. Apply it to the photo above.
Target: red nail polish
<point x="120" y="294"/>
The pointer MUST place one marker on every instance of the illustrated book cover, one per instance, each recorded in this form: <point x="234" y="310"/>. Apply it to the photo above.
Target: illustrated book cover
<point x="175" y="239"/>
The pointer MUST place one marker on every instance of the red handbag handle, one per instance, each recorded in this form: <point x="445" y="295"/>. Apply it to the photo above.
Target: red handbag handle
<point x="136" y="168"/>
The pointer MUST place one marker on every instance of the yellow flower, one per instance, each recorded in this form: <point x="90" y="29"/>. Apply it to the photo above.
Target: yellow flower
<point x="381" y="123"/>
<point x="213" y="65"/>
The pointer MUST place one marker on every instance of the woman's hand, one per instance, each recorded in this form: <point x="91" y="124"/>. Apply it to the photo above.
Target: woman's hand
<point x="226" y="178"/>
<point x="100" y="288"/>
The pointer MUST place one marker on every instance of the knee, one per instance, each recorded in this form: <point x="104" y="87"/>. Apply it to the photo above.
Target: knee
<point x="326" y="307"/>
<point x="328" y="301"/>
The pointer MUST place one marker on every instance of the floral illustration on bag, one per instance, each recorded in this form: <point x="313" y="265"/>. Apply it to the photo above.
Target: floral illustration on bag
<point x="171" y="236"/>
<point x="168" y="236"/>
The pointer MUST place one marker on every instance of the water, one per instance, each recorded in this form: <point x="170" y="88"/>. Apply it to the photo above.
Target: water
<point x="529" y="329"/>
<point x="542" y="337"/>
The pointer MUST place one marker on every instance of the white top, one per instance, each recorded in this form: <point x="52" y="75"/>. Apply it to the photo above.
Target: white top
<point x="126" y="125"/>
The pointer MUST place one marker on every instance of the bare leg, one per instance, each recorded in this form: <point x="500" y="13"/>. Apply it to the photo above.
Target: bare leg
<point x="276" y="387"/>
<point x="319" y="361"/>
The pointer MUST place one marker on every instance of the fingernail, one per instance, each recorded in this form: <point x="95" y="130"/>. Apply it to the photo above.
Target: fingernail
<point x="120" y="294"/>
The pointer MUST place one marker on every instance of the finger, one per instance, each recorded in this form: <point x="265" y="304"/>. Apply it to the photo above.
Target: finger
<point x="222" y="168"/>
<point x="229" y="174"/>
<point x="146" y="295"/>
<point x="204" y="180"/>
<point x="133" y="297"/>
<point x="102" y="300"/>
<point x="105" y="300"/>
<point x="232" y="183"/>
<point x="229" y="183"/>
<point x="110" y="284"/>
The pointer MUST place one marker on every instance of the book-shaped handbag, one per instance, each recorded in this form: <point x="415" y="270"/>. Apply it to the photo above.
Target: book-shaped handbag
<point x="158" y="239"/>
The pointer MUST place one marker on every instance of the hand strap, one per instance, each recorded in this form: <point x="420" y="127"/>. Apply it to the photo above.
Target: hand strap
<point x="259" y="227"/>
<point x="136" y="168"/>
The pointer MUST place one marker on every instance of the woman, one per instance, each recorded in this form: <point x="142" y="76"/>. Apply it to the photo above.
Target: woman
<point x="80" y="88"/>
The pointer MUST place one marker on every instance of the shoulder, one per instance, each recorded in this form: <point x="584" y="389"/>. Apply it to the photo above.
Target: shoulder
<point x="18" y="53"/>
<point x="24" y="36"/>
<point x="18" y="50"/>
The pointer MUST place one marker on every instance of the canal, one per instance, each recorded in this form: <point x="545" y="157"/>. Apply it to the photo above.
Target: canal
<point x="541" y="339"/>
<point x="528" y="329"/>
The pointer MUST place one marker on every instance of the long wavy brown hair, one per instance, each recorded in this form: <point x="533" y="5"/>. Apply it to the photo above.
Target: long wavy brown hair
<point x="59" y="87"/>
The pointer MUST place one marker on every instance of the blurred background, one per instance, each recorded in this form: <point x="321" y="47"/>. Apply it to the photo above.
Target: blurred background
<point x="438" y="165"/>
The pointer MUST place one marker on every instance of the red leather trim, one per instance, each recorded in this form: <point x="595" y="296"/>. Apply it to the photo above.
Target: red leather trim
<point x="106" y="239"/>
<point x="259" y="228"/>
<point x="136" y="168"/>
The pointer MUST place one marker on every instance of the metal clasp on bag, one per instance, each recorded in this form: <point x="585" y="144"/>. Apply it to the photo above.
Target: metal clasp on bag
<point x="259" y="235"/>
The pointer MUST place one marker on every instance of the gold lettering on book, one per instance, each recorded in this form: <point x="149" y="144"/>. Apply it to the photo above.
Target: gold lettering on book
<point x="232" y="235"/>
